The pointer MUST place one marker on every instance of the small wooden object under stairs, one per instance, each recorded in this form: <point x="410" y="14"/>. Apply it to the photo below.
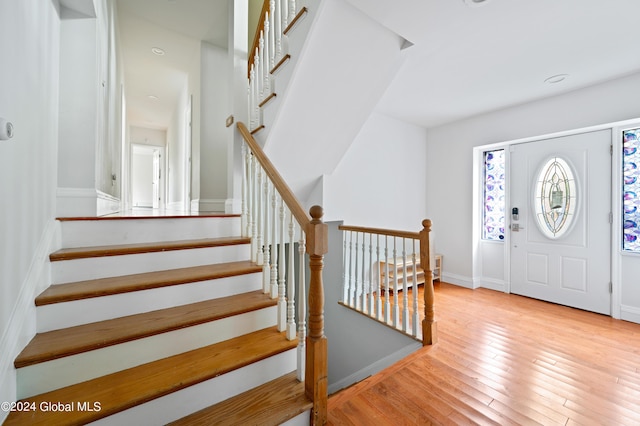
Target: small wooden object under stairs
<point x="141" y="329"/>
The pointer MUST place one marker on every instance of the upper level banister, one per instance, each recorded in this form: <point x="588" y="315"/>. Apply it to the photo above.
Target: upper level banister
<point x="286" y="193"/>
<point x="381" y="231"/>
<point x="256" y="37"/>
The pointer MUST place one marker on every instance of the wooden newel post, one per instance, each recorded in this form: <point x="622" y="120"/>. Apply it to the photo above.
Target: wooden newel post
<point x="316" y="365"/>
<point x="429" y="326"/>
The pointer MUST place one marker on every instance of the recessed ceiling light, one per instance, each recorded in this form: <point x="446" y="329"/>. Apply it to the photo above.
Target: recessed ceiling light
<point x="153" y="97"/>
<point x="556" y="78"/>
<point x="475" y="2"/>
<point x="157" y="51"/>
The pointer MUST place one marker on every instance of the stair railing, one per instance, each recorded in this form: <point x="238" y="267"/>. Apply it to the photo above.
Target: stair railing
<point x="380" y="267"/>
<point x="268" y="52"/>
<point x="274" y="219"/>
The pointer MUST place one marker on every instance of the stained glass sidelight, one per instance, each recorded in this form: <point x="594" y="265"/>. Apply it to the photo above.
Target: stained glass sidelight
<point x="631" y="189"/>
<point x="555" y="198"/>
<point x="494" y="196"/>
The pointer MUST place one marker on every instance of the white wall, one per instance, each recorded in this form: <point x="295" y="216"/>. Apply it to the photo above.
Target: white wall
<point x="380" y="180"/>
<point x="215" y="89"/>
<point x="29" y="42"/>
<point x="90" y="114"/>
<point x="450" y="158"/>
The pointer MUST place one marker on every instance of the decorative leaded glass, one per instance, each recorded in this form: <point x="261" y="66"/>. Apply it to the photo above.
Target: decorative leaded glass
<point x="555" y="198"/>
<point x="494" y="201"/>
<point x="631" y="189"/>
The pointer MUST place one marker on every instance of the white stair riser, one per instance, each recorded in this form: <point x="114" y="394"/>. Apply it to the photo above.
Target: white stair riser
<point x="58" y="373"/>
<point x="194" y="398"/>
<point x="77" y="312"/>
<point x="66" y="271"/>
<point x="89" y="233"/>
<point x="301" y="419"/>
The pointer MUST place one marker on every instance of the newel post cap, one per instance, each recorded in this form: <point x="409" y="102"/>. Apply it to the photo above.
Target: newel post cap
<point x="317" y="233"/>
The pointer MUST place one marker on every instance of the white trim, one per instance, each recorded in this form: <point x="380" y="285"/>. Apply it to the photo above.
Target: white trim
<point x="21" y="326"/>
<point x="85" y="202"/>
<point x="459" y="280"/>
<point x="209" y="205"/>
<point x="491" y="284"/>
<point x="373" y="368"/>
<point x="233" y="206"/>
<point x="630" y="313"/>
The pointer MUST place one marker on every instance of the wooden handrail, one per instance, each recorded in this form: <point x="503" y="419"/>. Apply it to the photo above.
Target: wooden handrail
<point x="286" y="193"/>
<point x="381" y="231"/>
<point x="256" y="37"/>
<point x="316" y="232"/>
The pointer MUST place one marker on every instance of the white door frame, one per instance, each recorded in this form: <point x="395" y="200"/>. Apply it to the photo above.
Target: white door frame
<point x="616" y="208"/>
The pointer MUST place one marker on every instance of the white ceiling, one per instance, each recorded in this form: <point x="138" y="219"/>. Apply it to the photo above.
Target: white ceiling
<point x="465" y="60"/>
<point x="176" y="26"/>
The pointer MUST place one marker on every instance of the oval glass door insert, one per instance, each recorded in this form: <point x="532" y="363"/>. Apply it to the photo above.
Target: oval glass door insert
<point x="555" y="198"/>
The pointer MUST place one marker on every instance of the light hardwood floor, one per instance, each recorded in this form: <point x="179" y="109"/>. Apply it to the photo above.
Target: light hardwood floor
<point x="505" y="359"/>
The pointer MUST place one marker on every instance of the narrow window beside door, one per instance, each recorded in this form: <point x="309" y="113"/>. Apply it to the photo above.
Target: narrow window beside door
<point x="631" y="189"/>
<point x="494" y="196"/>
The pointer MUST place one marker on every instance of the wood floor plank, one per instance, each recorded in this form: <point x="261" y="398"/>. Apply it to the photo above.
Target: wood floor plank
<point x="117" y="250"/>
<point x="507" y="359"/>
<point x="69" y="341"/>
<point x="145" y="281"/>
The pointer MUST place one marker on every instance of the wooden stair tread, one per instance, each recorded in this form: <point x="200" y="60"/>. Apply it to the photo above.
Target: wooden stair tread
<point x="272" y="403"/>
<point x="83" y="338"/>
<point x="115" y="285"/>
<point x="117" y="250"/>
<point x="128" y="388"/>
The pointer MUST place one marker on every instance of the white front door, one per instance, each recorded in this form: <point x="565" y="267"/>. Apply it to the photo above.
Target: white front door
<point x="561" y="238"/>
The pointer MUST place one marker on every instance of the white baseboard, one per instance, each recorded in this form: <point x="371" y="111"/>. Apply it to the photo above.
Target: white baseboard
<point x="491" y="284"/>
<point x="374" y="368"/>
<point x="21" y="326"/>
<point x="630" y="313"/>
<point x="461" y="280"/>
<point x="209" y="205"/>
<point x="85" y="202"/>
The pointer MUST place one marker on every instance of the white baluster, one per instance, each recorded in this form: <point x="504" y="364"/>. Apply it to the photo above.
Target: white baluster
<point x="416" y="311"/>
<point x="260" y="218"/>
<point x="274" y="34"/>
<point x="302" y="309"/>
<point x="252" y="117"/>
<point x="266" y="57"/>
<point x="274" y="243"/>
<point x="257" y="88"/>
<point x="243" y="207"/>
<point x="396" y="312"/>
<point x="405" y="288"/>
<point x="282" y="267"/>
<point x="261" y="67"/>
<point x="292" y="10"/>
<point x="252" y="207"/>
<point x="363" y="301"/>
<point x="387" y="309"/>
<point x="372" y="294"/>
<point x="345" y="268"/>
<point x="277" y="32"/>
<point x="377" y="272"/>
<point x="266" y="267"/>
<point x="284" y="13"/>
<point x="291" y="291"/>
<point x="357" y="274"/>
<point x="352" y="279"/>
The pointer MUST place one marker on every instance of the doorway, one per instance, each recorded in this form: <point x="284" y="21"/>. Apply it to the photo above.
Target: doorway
<point x="560" y="207"/>
<point x="146" y="176"/>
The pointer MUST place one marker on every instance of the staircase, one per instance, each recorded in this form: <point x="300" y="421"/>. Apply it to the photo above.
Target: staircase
<point x="154" y="320"/>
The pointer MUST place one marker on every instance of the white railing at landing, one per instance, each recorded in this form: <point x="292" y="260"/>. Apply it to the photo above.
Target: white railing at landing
<point x="382" y="272"/>
<point x="269" y="51"/>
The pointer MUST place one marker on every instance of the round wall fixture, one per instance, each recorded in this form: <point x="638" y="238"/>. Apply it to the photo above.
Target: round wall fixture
<point x="556" y="78"/>
<point x="475" y="3"/>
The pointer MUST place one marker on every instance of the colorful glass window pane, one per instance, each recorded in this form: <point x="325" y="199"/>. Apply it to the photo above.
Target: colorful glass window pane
<point x="631" y="189"/>
<point x="555" y="202"/>
<point x="494" y="195"/>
